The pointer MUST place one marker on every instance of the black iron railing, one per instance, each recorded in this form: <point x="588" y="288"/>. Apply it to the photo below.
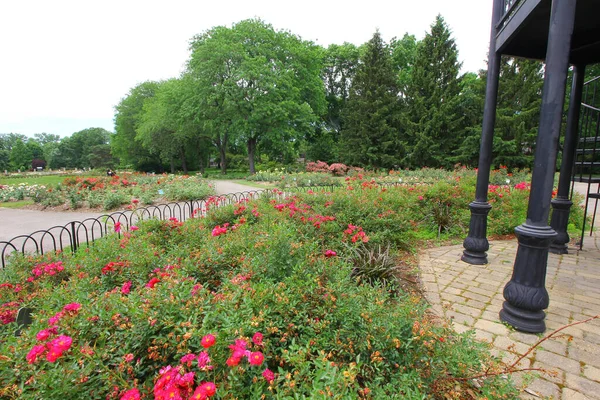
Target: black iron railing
<point x="75" y="234"/>
<point x="587" y="155"/>
<point x="509" y="9"/>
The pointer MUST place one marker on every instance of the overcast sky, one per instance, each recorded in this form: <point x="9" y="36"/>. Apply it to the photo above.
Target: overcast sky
<point x="64" y="65"/>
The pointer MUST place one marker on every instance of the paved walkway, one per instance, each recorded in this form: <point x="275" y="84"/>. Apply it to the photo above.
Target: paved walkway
<point x="14" y="222"/>
<point x="471" y="296"/>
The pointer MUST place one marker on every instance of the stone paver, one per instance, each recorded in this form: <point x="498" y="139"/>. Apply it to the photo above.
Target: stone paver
<point x="471" y="296"/>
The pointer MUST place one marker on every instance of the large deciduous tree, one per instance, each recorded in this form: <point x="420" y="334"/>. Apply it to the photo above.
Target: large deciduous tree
<point x="339" y="69"/>
<point x="370" y="131"/>
<point x="435" y="128"/>
<point x="74" y="151"/>
<point x="162" y="129"/>
<point x="127" y="119"/>
<point x="259" y="84"/>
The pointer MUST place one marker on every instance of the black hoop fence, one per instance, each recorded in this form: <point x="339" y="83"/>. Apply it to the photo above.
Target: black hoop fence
<point x="77" y="234"/>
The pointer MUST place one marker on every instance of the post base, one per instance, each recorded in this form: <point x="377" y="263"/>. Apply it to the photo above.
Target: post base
<point x="561" y="207"/>
<point x="523" y="320"/>
<point x="476" y="244"/>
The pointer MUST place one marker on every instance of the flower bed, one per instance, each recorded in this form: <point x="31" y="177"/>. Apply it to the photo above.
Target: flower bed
<point x="109" y="193"/>
<point x="277" y="298"/>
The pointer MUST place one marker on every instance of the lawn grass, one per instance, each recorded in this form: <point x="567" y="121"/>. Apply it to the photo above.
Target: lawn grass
<point x="47" y="180"/>
<point x="16" y="204"/>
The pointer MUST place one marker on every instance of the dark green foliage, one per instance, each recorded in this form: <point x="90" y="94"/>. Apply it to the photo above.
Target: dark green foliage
<point x="369" y="135"/>
<point x="404" y="52"/>
<point x="518" y="112"/>
<point x="127" y="119"/>
<point x="75" y="151"/>
<point x="257" y="85"/>
<point x="434" y="118"/>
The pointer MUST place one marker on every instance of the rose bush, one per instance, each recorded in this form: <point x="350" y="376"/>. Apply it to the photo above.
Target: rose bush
<point x="111" y="192"/>
<point x="256" y="300"/>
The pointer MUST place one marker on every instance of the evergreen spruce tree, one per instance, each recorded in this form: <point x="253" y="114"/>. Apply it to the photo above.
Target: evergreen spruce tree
<point x="369" y="135"/>
<point x="518" y="112"/>
<point x="435" y="128"/>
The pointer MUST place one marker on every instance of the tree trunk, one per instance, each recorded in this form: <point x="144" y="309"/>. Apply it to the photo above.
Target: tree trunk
<point x="183" y="162"/>
<point x="251" y="152"/>
<point x="201" y="162"/>
<point x="172" y="165"/>
<point x="223" y="160"/>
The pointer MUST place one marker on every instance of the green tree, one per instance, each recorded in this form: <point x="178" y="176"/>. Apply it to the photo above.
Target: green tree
<point x="127" y="118"/>
<point x="74" y="151"/>
<point x="4" y="153"/>
<point x="266" y="83"/>
<point x="161" y="129"/>
<point x="404" y="53"/>
<point x="339" y="69"/>
<point x="370" y="132"/>
<point x="49" y="143"/>
<point x="7" y="142"/>
<point x="434" y="131"/>
<point x="471" y="103"/>
<point x="518" y="112"/>
<point x="20" y="156"/>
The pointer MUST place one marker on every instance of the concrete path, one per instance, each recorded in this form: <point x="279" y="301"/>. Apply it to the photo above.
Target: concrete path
<point x="470" y="297"/>
<point x="15" y="222"/>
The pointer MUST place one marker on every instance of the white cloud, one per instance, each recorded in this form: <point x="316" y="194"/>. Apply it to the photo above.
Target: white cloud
<point x="74" y="60"/>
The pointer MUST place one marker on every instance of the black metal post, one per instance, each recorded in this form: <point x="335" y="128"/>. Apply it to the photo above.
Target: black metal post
<point x="74" y="238"/>
<point x="476" y="243"/>
<point x="526" y="295"/>
<point x="561" y="205"/>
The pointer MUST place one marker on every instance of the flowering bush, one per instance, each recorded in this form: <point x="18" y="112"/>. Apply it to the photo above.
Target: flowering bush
<point x="270" y="306"/>
<point x="110" y="192"/>
<point x="318" y="166"/>
<point x="338" y="169"/>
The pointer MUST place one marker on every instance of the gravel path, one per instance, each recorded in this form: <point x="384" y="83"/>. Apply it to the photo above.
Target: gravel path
<point x="15" y="222"/>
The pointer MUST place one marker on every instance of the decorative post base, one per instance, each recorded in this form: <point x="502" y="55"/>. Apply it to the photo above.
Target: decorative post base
<point x="559" y="222"/>
<point x="526" y="295"/>
<point x="476" y="243"/>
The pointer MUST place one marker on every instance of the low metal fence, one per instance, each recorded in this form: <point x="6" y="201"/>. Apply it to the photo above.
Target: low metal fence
<point x="75" y="234"/>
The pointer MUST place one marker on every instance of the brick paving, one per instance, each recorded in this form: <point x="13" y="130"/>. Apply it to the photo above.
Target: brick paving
<point x="470" y="296"/>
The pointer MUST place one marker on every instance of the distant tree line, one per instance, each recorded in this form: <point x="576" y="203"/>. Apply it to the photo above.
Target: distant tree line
<point x="88" y="148"/>
<point x="251" y="94"/>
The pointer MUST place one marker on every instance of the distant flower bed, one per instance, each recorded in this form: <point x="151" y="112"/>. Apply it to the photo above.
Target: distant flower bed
<point x="108" y="193"/>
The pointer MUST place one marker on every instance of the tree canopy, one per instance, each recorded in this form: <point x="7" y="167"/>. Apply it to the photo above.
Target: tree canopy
<point x="251" y="93"/>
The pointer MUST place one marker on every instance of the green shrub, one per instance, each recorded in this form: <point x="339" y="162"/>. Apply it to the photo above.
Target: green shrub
<point x="187" y="189"/>
<point x="150" y="296"/>
<point x="114" y="200"/>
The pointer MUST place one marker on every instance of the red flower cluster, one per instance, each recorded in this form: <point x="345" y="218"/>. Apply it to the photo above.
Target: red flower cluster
<point x="522" y="186"/>
<point x="8" y="312"/>
<point x="175" y="384"/>
<point x="53" y="349"/>
<point x="330" y="253"/>
<point x="317" y="220"/>
<point x="357" y="233"/>
<point x="110" y="267"/>
<point x="126" y="288"/>
<point x="293" y="207"/>
<point x="45" y="269"/>
<point x="208" y="341"/>
<point x="220" y="230"/>
<point x="152" y="282"/>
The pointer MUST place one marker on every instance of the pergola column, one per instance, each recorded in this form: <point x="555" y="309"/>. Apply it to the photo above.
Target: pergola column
<point x="561" y="205"/>
<point x="476" y="243"/>
<point x="526" y="295"/>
